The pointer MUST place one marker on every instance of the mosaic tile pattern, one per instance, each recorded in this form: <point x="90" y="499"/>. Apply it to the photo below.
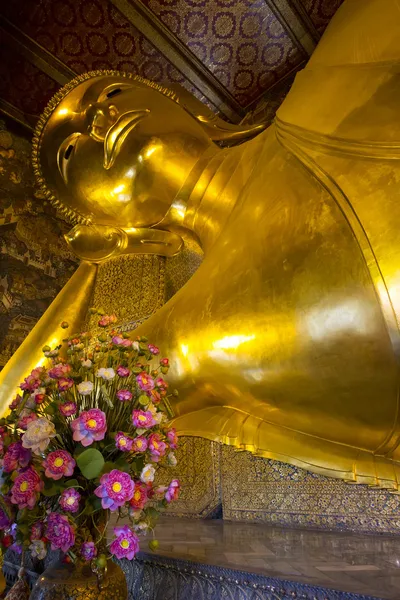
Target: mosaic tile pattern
<point x="240" y="41"/>
<point x="92" y="34"/>
<point x="260" y="490"/>
<point x="321" y="11"/>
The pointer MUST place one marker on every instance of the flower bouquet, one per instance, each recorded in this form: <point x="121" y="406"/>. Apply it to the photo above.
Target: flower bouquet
<point x="84" y="440"/>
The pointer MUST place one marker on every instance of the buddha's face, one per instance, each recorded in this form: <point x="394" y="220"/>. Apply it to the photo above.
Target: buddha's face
<point x="117" y="151"/>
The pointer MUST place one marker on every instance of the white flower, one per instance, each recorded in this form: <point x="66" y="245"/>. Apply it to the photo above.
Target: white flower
<point x="85" y="388"/>
<point x="171" y="458"/>
<point x="106" y="374"/>
<point x="87" y="363"/>
<point x="38" y="434"/>
<point x="147" y="474"/>
<point x="135" y="346"/>
<point x="38" y="549"/>
<point x="158" y="416"/>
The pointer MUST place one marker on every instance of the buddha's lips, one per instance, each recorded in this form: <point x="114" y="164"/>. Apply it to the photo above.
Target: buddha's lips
<point x="117" y="134"/>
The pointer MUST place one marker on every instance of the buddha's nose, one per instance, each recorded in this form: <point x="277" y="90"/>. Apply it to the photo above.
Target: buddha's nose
<point x="100" y="117"/>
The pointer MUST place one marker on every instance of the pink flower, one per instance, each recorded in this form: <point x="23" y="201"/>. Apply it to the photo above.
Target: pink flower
<point x="172" y="492"/>
<point x="164" y="362"/>
<point x="16" y="457"/>
<point x="59" y="464"/>
<point x="143" y="419"/>
<point x="172" y="438"/>
<point x="26" y="489"/>
<point x="60" y="371"/>
<point x="68" y="409"/>
<point x="26" y="419"/>
<point x="161" y="383"/>
<point x="60" y="532"/>
<point x="126" y="544"/>
<point x="123" y="371"/>
<point x="123" y="442"/>
<point x="88" y="551"/>
<point x="89" y="427"/>
<point x="140" y="444"/>
<point x="124" y="395"/>
<point x="155" y="397"/>
<point x="115" y="489"/>
<point x="69" y="500"/>
<point x="120" y="341"/>
<point x="65" y="383"/>
<point x="144" y="381"/>
<point x="156" y="446"/>
<point x="153" y="350"/>
<point x="16" y="402"/>
<point x="139" y="497"/>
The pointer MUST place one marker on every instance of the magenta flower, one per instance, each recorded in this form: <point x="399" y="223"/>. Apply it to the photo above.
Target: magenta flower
<point x="16" y="457"/>
<point x="172" y="492"/>
<point x="115" y="489"/>
<point x="88" y="551"/>
<point x="123" y="371"/>
<point x="145" y="382"/>
<point x="60" y="532"/>
<point x="68" y="409"/>
<point x="60" y="371"/>
<point x="143" y="419"/>
<point x="123" y="442"/>
<point x="156" y="446"/>
<point x="153" y="350"/>
<point x="172" y="438"/>
<point x="69" y="500"/>
<point x="26" y="489"/>
<point x="26" y="419"/>
<point x="120" y="341"/>
<point x="16" y="402"/>
<point x="65" y="384"/>
<point x="140" y="444"/>
<point x="161" y="383"/>
<point x="59" y="464"/>
<point x="89" y="427"/>
<point x="124" y="395"/>
<point x="36" y="531"/>
<point x="126" y="544"/>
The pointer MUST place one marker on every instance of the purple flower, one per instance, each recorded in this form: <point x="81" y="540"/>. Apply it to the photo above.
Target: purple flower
<point x="115" y="489"/>
<point x="172" y="492"/>
<point x="123" y="371"/>
<point x="156" y="446"/>
<point x="60" y="532"/>
<point x="140" y="444"/>
<point x="126" y="544"/>
<point x="145" y="382"/>
<point x="153" y="350"/>
<point x="65" y="383"/>
<point x="124" y="395"/>
<point x="89" y="427"/>
<point x="69" y="500"/>
<point x="16" y="457"/>
<point x="68" y="409"/>
<point x="88" y="551"/>
<point x="172" y="438"/>
<point x="143" y="419"/>
<point x="26" y="489"/>
<point x="58" y="464"/>
<point x="123" y="442"/>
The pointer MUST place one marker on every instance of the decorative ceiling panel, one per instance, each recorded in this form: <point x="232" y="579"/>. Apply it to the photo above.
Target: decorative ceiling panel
<point x="321" y="11"/>
<point x="23" y="85"/>
<point x="241" y="42"/>
<point x="92" y="34"/>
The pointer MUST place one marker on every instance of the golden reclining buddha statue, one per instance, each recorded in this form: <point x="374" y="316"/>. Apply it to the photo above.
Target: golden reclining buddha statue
<point x="286" y="340"/>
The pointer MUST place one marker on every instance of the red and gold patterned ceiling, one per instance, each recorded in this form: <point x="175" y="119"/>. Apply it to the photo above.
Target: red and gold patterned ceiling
<point x="232" y="54"/>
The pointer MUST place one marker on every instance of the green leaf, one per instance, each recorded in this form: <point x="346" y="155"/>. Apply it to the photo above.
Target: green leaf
<point x="91" y="463"/>
<point x="71" y="483"/>
<point x="52" y="490"/>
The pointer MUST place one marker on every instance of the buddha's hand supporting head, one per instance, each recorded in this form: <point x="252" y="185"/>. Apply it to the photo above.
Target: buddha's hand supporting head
<point x="115" y="150"/>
